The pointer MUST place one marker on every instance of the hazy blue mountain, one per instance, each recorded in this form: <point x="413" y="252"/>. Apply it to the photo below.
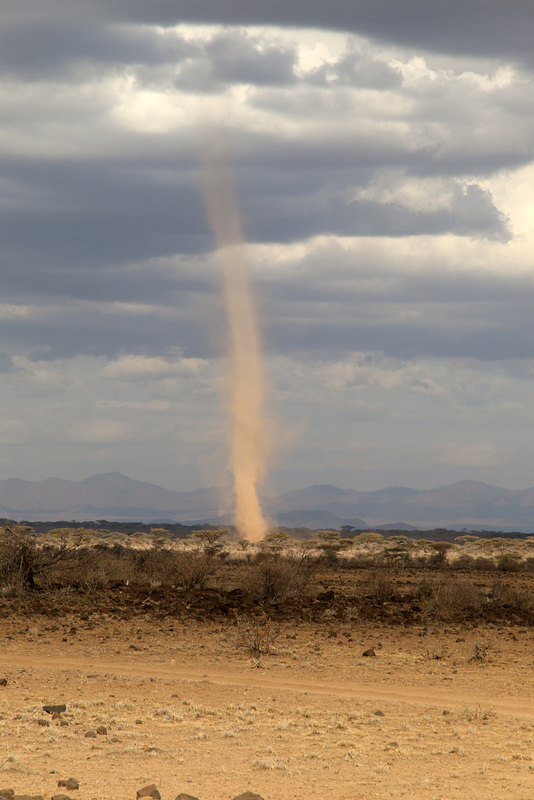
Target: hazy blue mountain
<point x="112" y="496"/>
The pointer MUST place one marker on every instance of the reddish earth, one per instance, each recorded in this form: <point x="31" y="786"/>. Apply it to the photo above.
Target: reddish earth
<point x="187" y="708"/>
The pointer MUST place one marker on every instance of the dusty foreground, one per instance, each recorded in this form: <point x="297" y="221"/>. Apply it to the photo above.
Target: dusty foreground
<point x="436" y="714"/>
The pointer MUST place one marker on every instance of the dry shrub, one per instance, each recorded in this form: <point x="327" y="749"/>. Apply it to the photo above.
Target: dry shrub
<point x="192" y="570"/>
<point x="513" y="598"/>
<point x="277" y="578"/>
<point x="360" y="561"/>
<point x="257" y="636"/>
<point x="483" y="564"/>
<point x="379" y="586"/>
<point x="509" y="562"/>
<point x="463" y="562"/>
<point x="455" y="599"/>
<point x="481" y="653"/>
<point x="23" y="564"/>
<point x="93" y="568"/>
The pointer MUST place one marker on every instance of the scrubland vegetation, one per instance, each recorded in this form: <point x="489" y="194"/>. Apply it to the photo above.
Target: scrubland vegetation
<point x="210" y="574"/>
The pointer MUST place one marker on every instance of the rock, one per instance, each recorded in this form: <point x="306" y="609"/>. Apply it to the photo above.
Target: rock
<point x="183" y="796"/>
<point x="44" y="723"/>
<point x="3" y="681"/>
<point x="379" y="713"/>
<point x="61" y="797"/>
<point x="69" y="784"/>
<point x="7" y="792"/>
<point x="138" y="721"/>
<point x="248" y="796"/>
<point x="446" y="713"/>
<point x="90" y="735"/>
<point x="136" y="648"/>
<point x="63" y="724"/>
<point x="369" y="653"/>
<point x="55" y="709"/>
<point x="102" y="730"/>
<point x="149" y="791"/>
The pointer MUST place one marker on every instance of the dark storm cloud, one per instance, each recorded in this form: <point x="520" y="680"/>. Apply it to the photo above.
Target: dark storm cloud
<point x="94" y="213"/>
<point x="491" y="29"/>
<point x="43" y="49"/>
<point x="72" y="227"/>
<point x="39" y="49"/>
<point x="402" y="315"/>
<point x="74" y="331"/>
<point x="236" y="58"/>
<point x="93" y="216"/>
<point x="400" y="340"/>
<point x="473" y="213"/>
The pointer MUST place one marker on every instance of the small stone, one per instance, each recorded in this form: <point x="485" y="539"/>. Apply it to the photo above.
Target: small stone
<point x="379" y="713"/>
<point x="90" y="735"/>
<point x="61" y="797"/>
<point x="183" y="796"/>
<point x="102" y="730"/>
<point x="136" y="648"/>
<point x="392" y="746"/>
<point x="138" y="721"/>
<point x="3" y="681"/>
<point x="63" y="723"/>
<point x="21" y="797"/>
<point x="7" y="792"/>
<point x="149" y="791"/>
<point x="248" y="796"/>
<point x="69" y="784"/>
<point x="369" y="653"/>
<point x="44" y="723"/>
<point x="55" y="709"/>
<point x="446" y="713"/>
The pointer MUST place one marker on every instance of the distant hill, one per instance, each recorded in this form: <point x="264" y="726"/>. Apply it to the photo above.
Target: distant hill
<point x="109" y="496"/>
<point x="465" y="504"/>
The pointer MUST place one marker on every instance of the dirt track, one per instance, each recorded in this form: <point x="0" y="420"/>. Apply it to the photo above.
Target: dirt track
<point x="259" y="680"/>
<point x="191" y="712"/>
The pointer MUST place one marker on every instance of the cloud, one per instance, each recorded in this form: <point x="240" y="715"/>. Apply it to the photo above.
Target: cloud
<point x="101" y="432"/>
<point x="460" y="455"/>
<point x="134" y="368"/>
<point x="445" y="26"/>
<point x="385" y="178"/>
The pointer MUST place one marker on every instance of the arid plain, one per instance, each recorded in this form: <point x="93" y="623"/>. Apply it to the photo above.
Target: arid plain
<point x="211" y="693"/>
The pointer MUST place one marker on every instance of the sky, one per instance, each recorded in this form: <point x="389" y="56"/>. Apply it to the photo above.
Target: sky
<point x="383" y="158"/>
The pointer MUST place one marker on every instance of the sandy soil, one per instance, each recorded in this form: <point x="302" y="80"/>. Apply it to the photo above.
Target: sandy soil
<point x="187" y="709"/>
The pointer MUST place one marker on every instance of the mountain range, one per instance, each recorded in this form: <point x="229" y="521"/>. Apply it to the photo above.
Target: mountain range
<point x="465" y="504"/>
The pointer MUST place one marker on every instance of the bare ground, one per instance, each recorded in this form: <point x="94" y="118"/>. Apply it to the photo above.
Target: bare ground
<point x="188" y="709"/>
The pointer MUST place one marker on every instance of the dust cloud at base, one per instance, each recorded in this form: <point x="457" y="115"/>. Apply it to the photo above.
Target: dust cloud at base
<point x="248" y="441"/>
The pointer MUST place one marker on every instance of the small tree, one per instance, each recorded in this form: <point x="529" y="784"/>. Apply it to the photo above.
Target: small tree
<point x="21" y="559"/>
<point x="440" y="549"/>
<point x="207" y="539"/>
